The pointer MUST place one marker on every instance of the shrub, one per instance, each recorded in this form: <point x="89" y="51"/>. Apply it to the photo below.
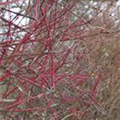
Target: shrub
<point x="44" y="61"/>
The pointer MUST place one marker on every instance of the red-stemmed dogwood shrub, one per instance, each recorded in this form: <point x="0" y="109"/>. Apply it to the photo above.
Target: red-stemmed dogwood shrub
<point x="44" y="68"/>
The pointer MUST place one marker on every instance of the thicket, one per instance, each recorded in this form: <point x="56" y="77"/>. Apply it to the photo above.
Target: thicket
<point x="59" y="60"/>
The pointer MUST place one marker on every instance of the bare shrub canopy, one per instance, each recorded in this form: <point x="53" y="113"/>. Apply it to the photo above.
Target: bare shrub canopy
<point x="50" y="66"/>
